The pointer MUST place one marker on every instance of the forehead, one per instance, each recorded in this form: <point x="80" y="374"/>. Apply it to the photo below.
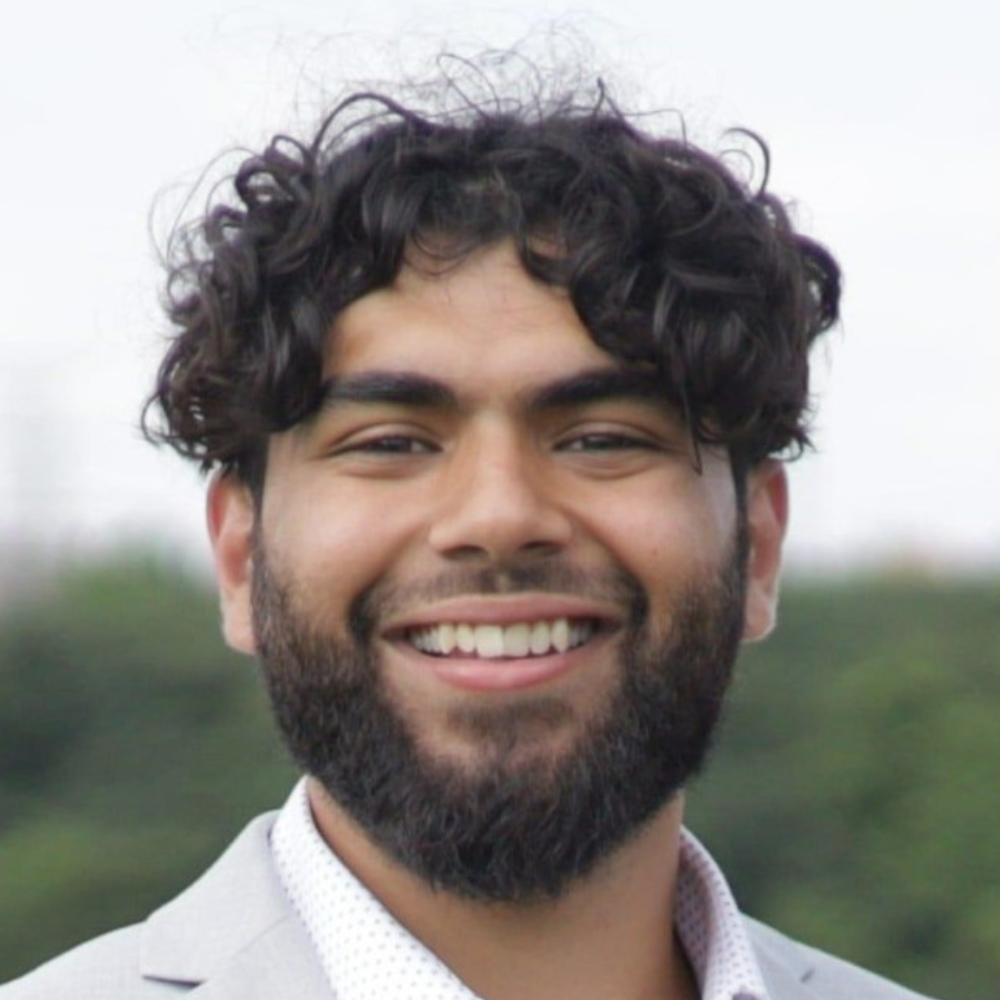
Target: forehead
<point x="483" y="322"/>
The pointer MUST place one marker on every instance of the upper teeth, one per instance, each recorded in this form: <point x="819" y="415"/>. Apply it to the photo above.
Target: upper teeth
<point x="495" y="641"/>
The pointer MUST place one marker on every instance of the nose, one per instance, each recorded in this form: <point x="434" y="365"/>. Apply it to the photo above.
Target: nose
<point x="499" y="501"/>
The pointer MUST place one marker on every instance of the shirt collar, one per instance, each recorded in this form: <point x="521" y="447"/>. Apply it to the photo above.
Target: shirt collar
<point x="711" y="929"/>
<point x="368" y="955"/>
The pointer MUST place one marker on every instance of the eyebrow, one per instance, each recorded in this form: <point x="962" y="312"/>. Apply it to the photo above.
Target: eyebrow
<point x="410" y="389"/>
<point x="602" y="385"/>
<point x="399" y="388"/>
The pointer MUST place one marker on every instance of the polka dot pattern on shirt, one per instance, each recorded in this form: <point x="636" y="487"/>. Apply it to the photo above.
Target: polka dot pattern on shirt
<point x="711" y="929"/>
<point x="368" y="955"/>
<point x="365" y="953"/>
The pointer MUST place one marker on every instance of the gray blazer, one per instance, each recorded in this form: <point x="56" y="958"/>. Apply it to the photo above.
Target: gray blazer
<point x="234" y="936"/>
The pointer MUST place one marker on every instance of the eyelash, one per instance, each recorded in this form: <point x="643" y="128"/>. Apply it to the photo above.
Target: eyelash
<point x="407" y="444"/>
<point x="605" y="441"/>
<point x="392" y="444"/>
<point x="597" y="441"/>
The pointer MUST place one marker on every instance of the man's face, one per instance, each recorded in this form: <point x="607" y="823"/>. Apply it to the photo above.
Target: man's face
<point x="496" y="598"/>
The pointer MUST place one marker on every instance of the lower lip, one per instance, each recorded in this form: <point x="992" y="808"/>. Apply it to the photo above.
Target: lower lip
<point x="475" y="674"/>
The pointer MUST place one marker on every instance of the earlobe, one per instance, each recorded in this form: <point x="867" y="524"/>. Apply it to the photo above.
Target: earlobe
<point x="767" y="520"/>
<point x="230" y="514"/>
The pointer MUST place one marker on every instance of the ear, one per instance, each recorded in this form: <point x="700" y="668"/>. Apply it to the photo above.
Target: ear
<point x="767" y="519"/>
<point x="230" y="513"/>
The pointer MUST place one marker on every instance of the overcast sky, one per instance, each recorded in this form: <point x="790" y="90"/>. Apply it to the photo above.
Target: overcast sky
<point x="884" y="127"/>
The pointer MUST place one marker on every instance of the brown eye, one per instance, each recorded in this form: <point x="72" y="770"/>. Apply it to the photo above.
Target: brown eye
<point x="392" y="444"/>
<point x="604" y="442"/>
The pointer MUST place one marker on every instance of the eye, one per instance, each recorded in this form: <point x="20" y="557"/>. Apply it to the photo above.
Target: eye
<point x="604" y="441"/>
<point x="389" y="444"/>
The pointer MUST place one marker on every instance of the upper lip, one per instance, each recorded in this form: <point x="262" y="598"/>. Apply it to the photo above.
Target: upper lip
<point x="504" y="609"/>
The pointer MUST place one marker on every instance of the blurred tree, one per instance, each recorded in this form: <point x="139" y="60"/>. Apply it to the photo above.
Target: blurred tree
<point x="132" y="746"/>
<point x="854" y="795"/>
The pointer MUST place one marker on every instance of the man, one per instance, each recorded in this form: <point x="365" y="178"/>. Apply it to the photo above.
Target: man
<point x="494" y="402"/>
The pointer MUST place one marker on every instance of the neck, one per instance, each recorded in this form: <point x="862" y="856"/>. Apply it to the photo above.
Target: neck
<point x="609" y="936"/>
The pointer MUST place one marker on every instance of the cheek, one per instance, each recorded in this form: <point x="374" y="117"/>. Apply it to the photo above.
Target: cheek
<point x="332" y="542"/>
<point x="666" y="529"/>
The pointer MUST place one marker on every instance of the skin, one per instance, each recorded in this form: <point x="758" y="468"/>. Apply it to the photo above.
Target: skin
<point x="390" y="490"/>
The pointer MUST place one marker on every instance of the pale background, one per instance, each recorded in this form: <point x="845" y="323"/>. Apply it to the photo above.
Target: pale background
<point x="883" y="120"/>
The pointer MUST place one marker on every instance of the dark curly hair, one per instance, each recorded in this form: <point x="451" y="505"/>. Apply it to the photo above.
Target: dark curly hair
<point x="669" y="259"/>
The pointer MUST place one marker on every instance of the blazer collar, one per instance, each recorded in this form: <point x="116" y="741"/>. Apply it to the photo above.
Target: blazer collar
<point x="234" y="933"/>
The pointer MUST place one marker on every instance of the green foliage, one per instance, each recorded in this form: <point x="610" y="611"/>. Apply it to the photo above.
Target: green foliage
<point x="852" y="799"/>
<point x="855" y="792"/>
<point x="132" y="746"/>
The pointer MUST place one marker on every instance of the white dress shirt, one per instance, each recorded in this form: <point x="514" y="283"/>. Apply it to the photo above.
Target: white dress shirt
<point x="368" y="955"/>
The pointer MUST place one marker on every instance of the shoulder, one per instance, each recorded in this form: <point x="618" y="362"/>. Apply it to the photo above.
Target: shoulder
<point x="794" y="971"/>
<point x="106" y="968"/>
<point x="182" y="944"/>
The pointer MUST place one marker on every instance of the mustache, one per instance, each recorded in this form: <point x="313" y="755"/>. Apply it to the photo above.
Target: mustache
<point x="386" y="598"/>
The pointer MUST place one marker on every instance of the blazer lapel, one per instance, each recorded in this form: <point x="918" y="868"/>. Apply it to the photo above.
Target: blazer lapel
<point x="234" y="933"/>
<point x="281" y="964"/>
<point x="785" y="965"/>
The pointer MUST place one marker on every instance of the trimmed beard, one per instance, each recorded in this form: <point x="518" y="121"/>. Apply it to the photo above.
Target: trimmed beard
<point x="507" y="829"/>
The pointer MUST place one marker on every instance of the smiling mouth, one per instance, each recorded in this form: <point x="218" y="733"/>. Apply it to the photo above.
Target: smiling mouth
<point x="519" y="640"/>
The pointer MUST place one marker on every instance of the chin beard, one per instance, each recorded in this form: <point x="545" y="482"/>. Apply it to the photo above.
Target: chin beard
<point x="509" y="827"/>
